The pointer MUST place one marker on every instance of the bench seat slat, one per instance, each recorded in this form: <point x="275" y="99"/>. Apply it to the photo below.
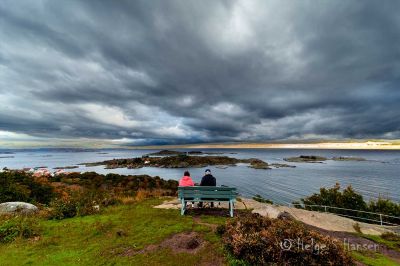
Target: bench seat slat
<point x="206" y="188"/>
<point x="186" y="194"/>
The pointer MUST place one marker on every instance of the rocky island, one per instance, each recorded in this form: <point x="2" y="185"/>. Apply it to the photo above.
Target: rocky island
<point x="306" y="159"/>
<point x="178" y="161"/>
<point x="348" y="158"/>
<point x="320" y="159"/>
<point x="171" y="152"/>
<point x="166" y="153"/>
<point x="66" y="167"/>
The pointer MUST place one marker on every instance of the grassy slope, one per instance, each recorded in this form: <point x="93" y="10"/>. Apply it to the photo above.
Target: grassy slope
<point x="373" y="259"/>
<point x="377" y="259"/>
<point x="92" y="240"/>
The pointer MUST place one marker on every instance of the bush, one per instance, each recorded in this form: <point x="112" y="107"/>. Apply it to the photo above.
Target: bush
<point x="15" y="227"/>
<point x="261" y="199"/>
<point x="258" y="240"/>
<point x="79" y="203"/>
<point x="20" y="186"/>
<point x="391" y="236"/>
<point x="350" y="199"/>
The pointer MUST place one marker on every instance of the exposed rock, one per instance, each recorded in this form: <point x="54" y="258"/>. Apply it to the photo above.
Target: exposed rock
<point x="17" y="207"/>
<point x="306" y="159"/>
<point x="258" y="164"/>
<point x="66" y="167"/>
<point x="282" y="165"/>
<point x="195" y="152"/>
<point x="267" y="211"/>
<point x="348" y="158"/>
<point x="285" y="216"/>
<point x="167" y="152"/>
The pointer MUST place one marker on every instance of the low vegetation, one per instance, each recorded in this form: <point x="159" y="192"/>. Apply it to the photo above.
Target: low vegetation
<point x="75" y="194"/>
<point x="261" y="199"/>
<point x="19" y="186"/>
<point x="255" y="240"/>
<point x="388" y="239"/>
<point x="258" y="164"/>
<point x="167" y="153"/>
<point x="13" y="227"/>
<point x="178" y="161"/>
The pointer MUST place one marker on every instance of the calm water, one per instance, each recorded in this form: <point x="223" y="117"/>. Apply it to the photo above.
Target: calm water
<point x="378" y="176"/>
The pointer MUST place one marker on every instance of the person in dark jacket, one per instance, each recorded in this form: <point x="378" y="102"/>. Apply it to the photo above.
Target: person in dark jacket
<point x="210" y="181"/>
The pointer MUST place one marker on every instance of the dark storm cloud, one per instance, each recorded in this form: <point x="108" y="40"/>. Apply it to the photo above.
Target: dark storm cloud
<point x="200" y="71"/>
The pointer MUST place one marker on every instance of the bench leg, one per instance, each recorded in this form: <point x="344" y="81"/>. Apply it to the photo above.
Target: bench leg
<point x="231" y="208"/>
<point x="183" y="207"/>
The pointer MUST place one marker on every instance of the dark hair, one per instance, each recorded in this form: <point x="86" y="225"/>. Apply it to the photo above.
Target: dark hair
<point x="186" y="173"/>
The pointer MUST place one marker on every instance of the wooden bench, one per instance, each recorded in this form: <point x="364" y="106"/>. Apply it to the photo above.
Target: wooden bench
<point x="207" y="194"/>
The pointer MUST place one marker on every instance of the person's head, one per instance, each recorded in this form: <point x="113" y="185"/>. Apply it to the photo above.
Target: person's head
<point x="186" y="173"/>
<point x="208" y="172"/>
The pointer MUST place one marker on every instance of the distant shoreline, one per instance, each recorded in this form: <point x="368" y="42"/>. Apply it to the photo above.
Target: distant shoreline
<point x="369" y="145"/>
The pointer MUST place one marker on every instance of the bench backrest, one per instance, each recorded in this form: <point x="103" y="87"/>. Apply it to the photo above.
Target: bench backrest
<point x="197" y="192"/>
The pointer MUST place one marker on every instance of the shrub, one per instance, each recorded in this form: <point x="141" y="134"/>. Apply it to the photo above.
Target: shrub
<point x="20" y="186"/>
<point x="79" y="203"/>
<point x="357" y="228"/>
<point x="14" y="227"/>
<point x="387" y="207"/>
<point x="350" y="199"/>
<point x="391" y="236"/>
<point x="262" y="241"/>
<point x="260" y="198"/>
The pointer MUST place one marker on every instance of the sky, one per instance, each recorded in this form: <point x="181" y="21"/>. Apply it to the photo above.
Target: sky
<point x="174" y="72"/>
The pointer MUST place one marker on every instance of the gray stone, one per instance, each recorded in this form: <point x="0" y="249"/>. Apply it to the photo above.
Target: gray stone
<point x="17" y="207"/>
<point x="267" y="211"/>
<point x="285" y="216"/>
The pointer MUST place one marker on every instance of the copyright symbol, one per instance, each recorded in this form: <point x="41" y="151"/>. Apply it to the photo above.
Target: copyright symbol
<point x="286" y="244"/>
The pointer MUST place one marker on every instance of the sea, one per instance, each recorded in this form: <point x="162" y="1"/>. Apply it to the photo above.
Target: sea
<point x="377" y="176"/>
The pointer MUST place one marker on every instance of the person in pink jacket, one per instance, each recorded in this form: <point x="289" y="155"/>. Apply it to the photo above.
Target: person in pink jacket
<point x="186" y="180"/>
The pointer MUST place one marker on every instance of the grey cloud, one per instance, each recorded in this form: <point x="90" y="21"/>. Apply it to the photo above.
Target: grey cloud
<point x="189" y="71"/>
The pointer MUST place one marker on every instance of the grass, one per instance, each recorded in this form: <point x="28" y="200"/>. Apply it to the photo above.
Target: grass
<point x="373" y="259"/>
<point x="99" y="239"/>
<point x="392" y="244"/>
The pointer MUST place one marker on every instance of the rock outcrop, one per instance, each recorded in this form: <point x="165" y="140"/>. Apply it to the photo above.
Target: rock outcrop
<point x="306" y="159"/>
<point x="179" y="161"/>
<point x="17" y="207"/>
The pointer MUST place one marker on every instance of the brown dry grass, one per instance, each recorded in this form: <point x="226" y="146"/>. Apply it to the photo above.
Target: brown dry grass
<point x="143" y="194"/>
